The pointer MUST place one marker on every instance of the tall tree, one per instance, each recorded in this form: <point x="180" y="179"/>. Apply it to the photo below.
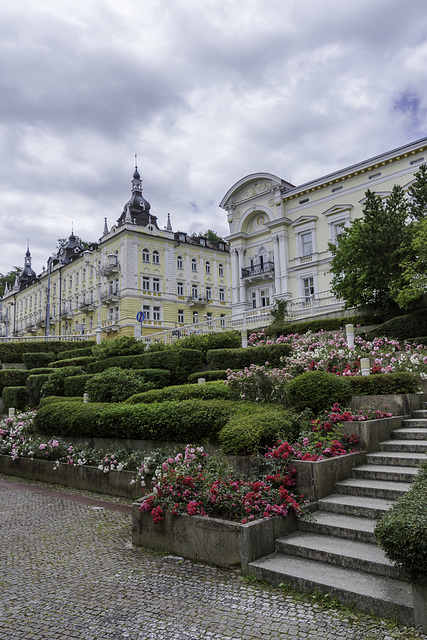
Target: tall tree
<point x="9" y="278"/>
<point x="366" y="261"/>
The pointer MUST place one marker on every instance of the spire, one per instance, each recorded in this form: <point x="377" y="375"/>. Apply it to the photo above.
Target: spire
<point x="136" y="179"/>
<point x="128" y="217"/>
<point x="105" y="227"/>
<point x="169" y="225"/>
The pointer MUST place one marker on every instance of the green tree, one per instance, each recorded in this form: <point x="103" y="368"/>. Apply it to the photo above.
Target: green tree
<point x="9" y="278"/>
<point x="366" y="261"/>
<point x="418" y="194"/>
<point x="210" y="235"/>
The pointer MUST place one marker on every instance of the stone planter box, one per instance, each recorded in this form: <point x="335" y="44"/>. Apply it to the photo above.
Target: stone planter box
<point x="316" y="480"/>
<point x="218" y="542"/>
<point x="419" y="595"/>
<point x="372" y="432"/>
<point x="115" y="483"/>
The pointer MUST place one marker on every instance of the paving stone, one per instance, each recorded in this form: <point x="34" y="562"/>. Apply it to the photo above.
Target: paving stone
<point x="69" y="572"/>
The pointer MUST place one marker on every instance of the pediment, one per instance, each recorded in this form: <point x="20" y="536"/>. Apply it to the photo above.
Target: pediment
<point x="303" y="220"/>
<point x="336" y="209"/>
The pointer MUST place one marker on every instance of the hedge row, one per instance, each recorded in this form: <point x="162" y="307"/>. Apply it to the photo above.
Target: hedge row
<point x="384" y="384"/>
<point x="13" y="351"/>
<point x="223" y="340"/>
<point x="194" y="421"/>
<point x="180" y="362"/>
<point x="410" y="325"/>
<point x="209" y="376"/>
<point x="240" y="358"/>
<point x="402" y="532"/>
<point x="16" y="397"/>
<point x="81" y="361"/>
<point x="326" y="324"/>
<point x="52" y="399"/>
<point x="18" y="377"/>
<point x="38" y="359"/>
<point x="208" y="391"/>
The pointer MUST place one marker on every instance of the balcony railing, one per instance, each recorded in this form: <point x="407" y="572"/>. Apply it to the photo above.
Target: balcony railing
<point x="258" y="269"/>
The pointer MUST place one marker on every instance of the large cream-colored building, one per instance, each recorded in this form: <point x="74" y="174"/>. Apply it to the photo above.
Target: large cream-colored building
<point x="279" y="233"/>
<point x="137" y="280"/>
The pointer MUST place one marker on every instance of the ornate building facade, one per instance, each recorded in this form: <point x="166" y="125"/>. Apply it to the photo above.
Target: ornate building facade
<point x="279" y="233"/>
<point x="138" y="279"/>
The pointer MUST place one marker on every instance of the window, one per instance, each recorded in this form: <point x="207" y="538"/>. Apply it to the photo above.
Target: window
<point x="265" y="297"/>
<point x="304" y="200"/>
<point x="222" y="295"/>
<point x="336" y="189"/>
<point x="222" y="320"/>
<point x="77" y="278"/>
<point x="253" y="300"/>
<point x="156" y="257"/>
<point x="146" y="310"/>
<point x="156" y="284"/>
<point x="193" y="264"/>
<point x="194" y="291"/>
<point x="195" y="317"/>
<point x="337" y="229"/>
<point x="306" y="244"/>
<point x="209" y="319"/>
<point x="156" y="313"/>
<point x="145" y="283"/>
<point x="308" y="288"/>
<point x="221" y="246"/>
<point x="181" y="316"/>
<point x="208" y="266"/>
<point x="208" y="293"/>
<point x="202" y="242"/>
<point x="221" y="269"/>
<point x="180" y="288"/>
<point x="181" y="237"/>
<point x="179" y="263"/>
<point x="145" y="255"/>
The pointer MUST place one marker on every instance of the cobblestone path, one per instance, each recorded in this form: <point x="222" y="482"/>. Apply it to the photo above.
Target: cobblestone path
<point x="68" y="571"/>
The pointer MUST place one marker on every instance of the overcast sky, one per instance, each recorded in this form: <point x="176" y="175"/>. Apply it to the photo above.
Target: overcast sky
<point x="204" y="91"/>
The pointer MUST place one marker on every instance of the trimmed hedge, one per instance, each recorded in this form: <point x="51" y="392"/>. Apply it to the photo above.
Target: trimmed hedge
<point x="244" y="357"/>
<point x="54" y="385"/>
<point x="384" y="384"/>
<point x="16" y="397"/>
<point x="52" y="399"/>
<point x="75" y="385"/>
<point x="180" y="362"/>
<point x="87" y="351"/>
<point x="18" y="377"/>
<point x="208" y="391"/>
<point x="223" y="340"/>
<point x="409" y="325"/>
<point x="13" y="351"/>
<point x="34" y="386"/>
<point x="209" y="376"/>
<point x="38" y="359"/>
<point x="318" y="391"/>
<point x="249" y="432"/>
<point x="402" y="532"/>
<point x="82" y="361"/>
<point x="195" y="421"/>
<point x="322" y="324"/>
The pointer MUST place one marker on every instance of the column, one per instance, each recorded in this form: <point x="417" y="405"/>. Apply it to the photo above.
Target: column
<point x="235" y="280"/>
<point x="241" y="281"/>
<point x="277" y="268"/>
<point x="283" y="255"/>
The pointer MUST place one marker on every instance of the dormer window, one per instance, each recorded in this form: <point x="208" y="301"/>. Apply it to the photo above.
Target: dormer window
<point x="181" y="237"/>
<point x="221" y="246"/>
<point x="202" y="242"/>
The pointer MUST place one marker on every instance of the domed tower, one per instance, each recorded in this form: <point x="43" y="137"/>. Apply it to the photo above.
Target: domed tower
<point x="137" y="209"/>
<point x="28" y="276"/>
<point x="71" y="250"/>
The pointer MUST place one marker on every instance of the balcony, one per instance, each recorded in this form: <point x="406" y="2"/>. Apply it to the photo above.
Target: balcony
<point x="259" y="270"/>
<point x="197" y="301"/>
<point x="87" y="307"/>
<point x="110" y="297"/>
<point x="112" y="265"/>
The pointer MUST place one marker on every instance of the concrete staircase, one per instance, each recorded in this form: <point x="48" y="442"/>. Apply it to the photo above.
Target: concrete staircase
<point x="336" y="553"/>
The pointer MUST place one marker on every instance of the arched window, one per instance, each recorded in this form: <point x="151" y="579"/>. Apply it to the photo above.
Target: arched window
<point x="208" y="266"/>
<point x="145" y="255"/>
<point x="156" y="257"/>
<point x="193" y="264"/>
<point x="220" y="269"/>
<point x="179" y="262"/>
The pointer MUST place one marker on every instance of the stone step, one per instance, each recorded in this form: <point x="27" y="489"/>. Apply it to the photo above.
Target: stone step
<point x="393" y="473"/>
<point x="412" y="433"/>
<point x="414" y="422"/>
<point x="351" y="554"/>
<point x="362" y="506"/>
<point x="411" y="446"/>
<point x="340" y="525"/>
<point x="420" y="413"/>
<point x="368" y="592"/>
<point x="373" y="488"/>
<point x="401" y="458"/>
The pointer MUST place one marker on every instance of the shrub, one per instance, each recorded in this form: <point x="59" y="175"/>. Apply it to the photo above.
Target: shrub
<point x="71" y="353"/>
<point x="52" y="399"/>
<point x="180" y="362"/>
<point x="34" y="386"/>
<point x="38" y="359"/>
<point x="240" y="358"/>
<point x="13" y="351"/>
<point x="82" y="361"/>
<point x="16" y="397"/>
<point x="190" y="420"/>
<point x="409" y="325"/>
<point x="384" y="384"/>
<point x="76" y="385"/>
<point x="249" y="431"/>
<point x="123" y="346"/>
<point x="259" y="384"/>
<point x="318" y="391"/>
<point x="209" y="376"/>
<point x="225" y="340"/>
<point x="208" y="391"/>
<point x="402" y="532"/>
<point x="54" y="386"/>
<point x="17" y="377"/>
<point x="326" y="324"/>
<point x="115" y="385"/>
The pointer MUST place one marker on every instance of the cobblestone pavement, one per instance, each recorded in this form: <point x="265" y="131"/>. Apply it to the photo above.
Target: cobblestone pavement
<point x="69" y="571"/>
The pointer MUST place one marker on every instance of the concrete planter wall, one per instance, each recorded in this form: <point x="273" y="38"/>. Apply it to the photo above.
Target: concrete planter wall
<point x="218" y="542"/>
<point x="316" y="480"/>
<point x="372" y="432"/>
<point x="115" y="483"/>
<point x="419" y="595"/>
<point x="400" y="404"/>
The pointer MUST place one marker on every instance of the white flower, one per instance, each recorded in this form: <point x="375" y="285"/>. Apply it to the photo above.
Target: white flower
<point x="101" y="467"/>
